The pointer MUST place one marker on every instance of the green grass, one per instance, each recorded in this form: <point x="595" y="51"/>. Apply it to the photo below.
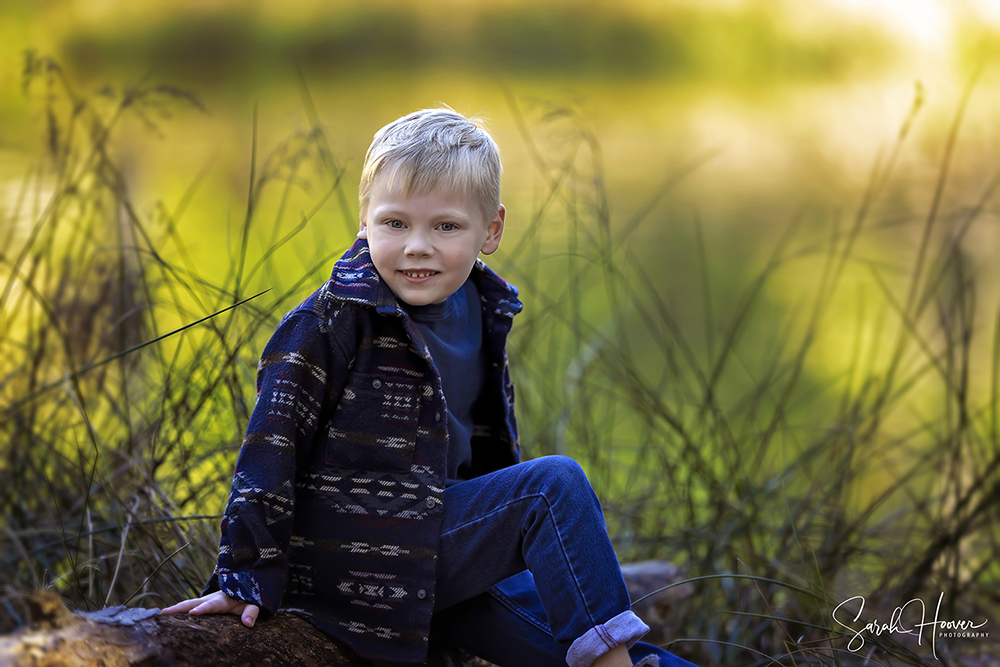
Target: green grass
<point x="713" y="420"/>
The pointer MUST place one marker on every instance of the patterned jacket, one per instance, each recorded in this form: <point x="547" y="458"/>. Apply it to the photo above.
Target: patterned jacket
<point x="336" y="505"/>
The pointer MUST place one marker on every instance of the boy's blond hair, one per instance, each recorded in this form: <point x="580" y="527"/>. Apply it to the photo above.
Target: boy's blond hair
<point x="431" y="149"/>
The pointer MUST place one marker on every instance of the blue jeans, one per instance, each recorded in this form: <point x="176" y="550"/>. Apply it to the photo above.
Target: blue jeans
<point x="570" y="607"/>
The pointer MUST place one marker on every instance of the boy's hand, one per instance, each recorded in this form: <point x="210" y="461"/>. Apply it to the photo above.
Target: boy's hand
<point x="217" y="603"/>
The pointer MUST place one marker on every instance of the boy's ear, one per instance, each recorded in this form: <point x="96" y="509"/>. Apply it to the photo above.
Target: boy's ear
<point x="363" y="230"/>
<point x="494" y="232"/>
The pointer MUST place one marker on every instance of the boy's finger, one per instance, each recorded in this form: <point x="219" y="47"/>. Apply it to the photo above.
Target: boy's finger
<point x="210" y="606"/>
<point x="250" y="615"/>
<point x="182" y="606"/>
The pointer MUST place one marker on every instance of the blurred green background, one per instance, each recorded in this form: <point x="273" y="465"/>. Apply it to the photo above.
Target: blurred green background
<point x="758" y="115"/>
<point x="771" y="109"/>
<point x="792" y="100"/>
<point x="784" y="106"/>
<point x="755" y="240"/>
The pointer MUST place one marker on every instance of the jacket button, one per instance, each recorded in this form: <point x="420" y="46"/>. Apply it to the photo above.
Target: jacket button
<point x="421" y="594"/>
<point x="376" y="384"/>
<point x="430" y="502"/>
<point x="437" y="416"/>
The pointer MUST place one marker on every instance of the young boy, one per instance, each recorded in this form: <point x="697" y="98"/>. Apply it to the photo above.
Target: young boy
<point x="378" y="491"/>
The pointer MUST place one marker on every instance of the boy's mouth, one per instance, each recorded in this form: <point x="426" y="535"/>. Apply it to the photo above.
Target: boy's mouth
<point x="418" y="274"/>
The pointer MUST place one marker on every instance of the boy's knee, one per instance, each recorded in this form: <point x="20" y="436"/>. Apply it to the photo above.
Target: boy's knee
<point x="558" y="470"/>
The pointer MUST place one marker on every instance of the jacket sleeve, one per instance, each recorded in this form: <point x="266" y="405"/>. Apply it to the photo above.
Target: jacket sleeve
<point x="301" y="373"/>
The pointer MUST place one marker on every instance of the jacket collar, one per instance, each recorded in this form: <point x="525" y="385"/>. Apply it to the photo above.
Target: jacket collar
<point x="356" y="279"/>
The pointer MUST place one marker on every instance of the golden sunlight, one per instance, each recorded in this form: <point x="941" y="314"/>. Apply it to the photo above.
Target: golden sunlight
<point x="929" y="23"/>
<point x="987" y="10"/>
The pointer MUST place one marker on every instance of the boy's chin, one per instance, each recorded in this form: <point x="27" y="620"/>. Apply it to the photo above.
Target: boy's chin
<point x="436" y="290"/>
<point x="417" y="301"/>
<point x="419" y="298"/>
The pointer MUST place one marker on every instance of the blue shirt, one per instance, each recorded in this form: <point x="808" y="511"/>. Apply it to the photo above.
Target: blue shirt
<point x="453" y="333"/>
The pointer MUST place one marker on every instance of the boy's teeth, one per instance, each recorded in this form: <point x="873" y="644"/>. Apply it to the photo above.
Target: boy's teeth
<point x="421" y="274"/>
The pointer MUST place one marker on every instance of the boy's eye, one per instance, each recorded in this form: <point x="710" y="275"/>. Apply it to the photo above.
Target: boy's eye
<point x="395" y="224"/>
<point x="448" y="226"/>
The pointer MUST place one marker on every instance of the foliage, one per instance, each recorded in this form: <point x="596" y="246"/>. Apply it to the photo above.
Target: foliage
<point x="714" y="441"/>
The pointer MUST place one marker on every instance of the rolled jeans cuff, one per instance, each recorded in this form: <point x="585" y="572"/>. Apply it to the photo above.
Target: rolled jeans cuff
<point x="625" y="628"/>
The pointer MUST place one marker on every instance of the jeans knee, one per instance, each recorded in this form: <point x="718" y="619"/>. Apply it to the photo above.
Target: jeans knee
<point x="560" y="473"/>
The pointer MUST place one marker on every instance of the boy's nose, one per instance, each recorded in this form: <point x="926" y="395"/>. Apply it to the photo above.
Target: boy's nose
<point x="417" y="244"/>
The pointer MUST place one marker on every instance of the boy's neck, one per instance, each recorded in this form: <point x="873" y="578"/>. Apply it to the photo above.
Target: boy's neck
<point x="432" y="311"/>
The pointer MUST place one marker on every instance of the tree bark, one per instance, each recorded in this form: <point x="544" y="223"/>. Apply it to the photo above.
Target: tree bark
<point x="121" y="637"/>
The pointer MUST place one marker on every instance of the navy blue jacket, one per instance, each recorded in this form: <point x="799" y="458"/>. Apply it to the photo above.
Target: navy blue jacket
<point x="335" y="510"/>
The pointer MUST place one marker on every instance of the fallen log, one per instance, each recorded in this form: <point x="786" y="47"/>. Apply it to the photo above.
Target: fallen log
<point x="136" y="637"/>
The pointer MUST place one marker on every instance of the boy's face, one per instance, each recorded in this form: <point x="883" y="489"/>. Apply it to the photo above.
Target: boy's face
<point x="424" y="245"/>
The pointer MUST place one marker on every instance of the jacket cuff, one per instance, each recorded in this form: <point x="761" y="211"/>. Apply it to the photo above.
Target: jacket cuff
<point x="625" y="628"/>
<point x="212" y="585"/>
